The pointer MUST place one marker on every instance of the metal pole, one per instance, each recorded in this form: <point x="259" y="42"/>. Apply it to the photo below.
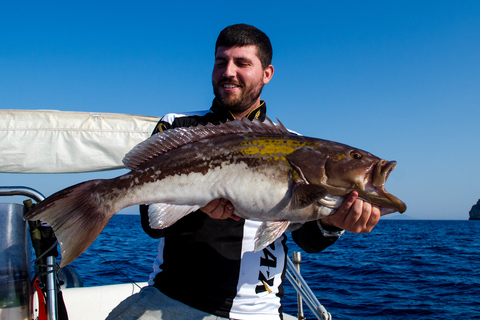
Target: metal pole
<point x="21" y="191"/>
<point x="51" y="288"/>
<point x="297" y="258"/>
<point x="308" y="296"/>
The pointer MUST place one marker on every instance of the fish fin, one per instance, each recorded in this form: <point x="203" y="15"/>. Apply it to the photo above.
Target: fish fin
<point x="304" y="195"/>
<point x="331" y="201"/>
<point x="309" y="163"/>
<point x="294" y="226"/>
<point x="163" y="215"/>
<point x="280" y="124"/>
<point x="165" y="141"/>
<point x="385" y="211"/>
<point x="268" y="232"/>
<point x="77" y="215"/>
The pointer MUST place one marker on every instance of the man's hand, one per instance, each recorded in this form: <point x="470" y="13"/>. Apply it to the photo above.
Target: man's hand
<point x="354" y="215"/>
<point x="220" y="209"/>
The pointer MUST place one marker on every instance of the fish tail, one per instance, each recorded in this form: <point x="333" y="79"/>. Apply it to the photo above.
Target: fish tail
<point x="77" y="215"/>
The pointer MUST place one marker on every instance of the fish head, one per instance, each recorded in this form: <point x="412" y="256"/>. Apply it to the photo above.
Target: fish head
<point x="341" y="169"/>
<point x="358" y="170"/>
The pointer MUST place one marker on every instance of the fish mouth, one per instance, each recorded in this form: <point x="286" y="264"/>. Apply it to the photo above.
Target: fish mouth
<point x="375" y="190"/>
<point x="382" y="171"/>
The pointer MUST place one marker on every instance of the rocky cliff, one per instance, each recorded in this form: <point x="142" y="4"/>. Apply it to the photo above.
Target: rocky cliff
<point x="475" y="211"/>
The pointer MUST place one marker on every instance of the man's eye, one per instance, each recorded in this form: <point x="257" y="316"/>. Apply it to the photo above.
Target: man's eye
<point x="242" y="64"/>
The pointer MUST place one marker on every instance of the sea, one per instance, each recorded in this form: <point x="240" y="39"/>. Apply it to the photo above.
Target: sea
<point x="403" y="269"/>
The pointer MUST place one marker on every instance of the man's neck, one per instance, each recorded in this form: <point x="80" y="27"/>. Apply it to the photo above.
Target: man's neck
<point x="241" y="115"/>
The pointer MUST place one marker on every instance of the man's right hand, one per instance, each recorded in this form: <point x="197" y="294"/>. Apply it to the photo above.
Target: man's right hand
<point x="220" y="209"/>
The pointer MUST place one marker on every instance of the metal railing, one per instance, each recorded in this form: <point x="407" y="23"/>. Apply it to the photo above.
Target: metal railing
<point x="304" y="293"/>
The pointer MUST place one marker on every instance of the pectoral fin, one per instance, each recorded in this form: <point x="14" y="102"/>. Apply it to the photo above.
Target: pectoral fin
<point x="162" y="215"/>
<point x="309" y="172"/>
<point x="304" y="195"/>
<point x="268" y="232"/>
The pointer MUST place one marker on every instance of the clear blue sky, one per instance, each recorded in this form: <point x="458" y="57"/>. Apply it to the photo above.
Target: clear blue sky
<point x="400" y="79"/>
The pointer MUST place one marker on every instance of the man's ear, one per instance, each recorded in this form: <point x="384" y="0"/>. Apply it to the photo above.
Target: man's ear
<point x="267" y="74"/>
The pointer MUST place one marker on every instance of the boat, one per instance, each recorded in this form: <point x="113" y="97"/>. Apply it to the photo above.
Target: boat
<point x="31" y="284"/>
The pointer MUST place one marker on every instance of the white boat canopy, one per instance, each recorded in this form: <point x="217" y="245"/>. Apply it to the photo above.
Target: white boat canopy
<point x="47" y="141"/>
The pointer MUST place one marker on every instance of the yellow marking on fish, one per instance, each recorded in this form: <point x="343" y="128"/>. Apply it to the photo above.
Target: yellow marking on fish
<point x="266" y="287"/>
<point x="338" y="157"/>
<point x="270" y="146"/>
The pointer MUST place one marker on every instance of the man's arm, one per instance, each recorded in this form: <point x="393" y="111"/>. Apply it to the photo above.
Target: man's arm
<point x="354" y="215"/>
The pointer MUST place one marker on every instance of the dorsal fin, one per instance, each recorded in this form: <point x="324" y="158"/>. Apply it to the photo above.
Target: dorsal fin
<point x="165" y="141"/>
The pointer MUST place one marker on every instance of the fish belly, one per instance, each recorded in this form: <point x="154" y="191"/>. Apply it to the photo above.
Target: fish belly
<point x="256" y="193"/>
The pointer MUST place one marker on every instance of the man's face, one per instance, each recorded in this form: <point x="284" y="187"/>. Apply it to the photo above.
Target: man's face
<point x="238" y="78"/>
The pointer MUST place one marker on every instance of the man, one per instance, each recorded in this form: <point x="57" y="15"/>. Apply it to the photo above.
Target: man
<point x="206" y="267"/>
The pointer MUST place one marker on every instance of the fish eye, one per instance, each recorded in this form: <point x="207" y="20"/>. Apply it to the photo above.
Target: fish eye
<point x="356" y="155"/>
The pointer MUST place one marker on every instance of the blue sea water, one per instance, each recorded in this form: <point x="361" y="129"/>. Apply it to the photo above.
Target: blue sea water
<point x="403" y="269"/>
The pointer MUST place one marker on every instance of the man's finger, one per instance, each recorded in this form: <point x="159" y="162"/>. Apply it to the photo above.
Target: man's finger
<point x="347" y="204"/>
<point x="374" y="218"/>
<point x="219" y="211"/>
<point x="210" y="206"/>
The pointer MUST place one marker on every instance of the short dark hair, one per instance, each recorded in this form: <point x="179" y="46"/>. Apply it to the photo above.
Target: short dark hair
<point x="244" y="35"/>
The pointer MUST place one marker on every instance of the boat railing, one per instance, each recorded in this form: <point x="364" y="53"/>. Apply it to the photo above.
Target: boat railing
<point x="304" y="293"/>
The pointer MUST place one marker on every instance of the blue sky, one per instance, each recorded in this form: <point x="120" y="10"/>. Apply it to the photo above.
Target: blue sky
<point x="400" y="79"/>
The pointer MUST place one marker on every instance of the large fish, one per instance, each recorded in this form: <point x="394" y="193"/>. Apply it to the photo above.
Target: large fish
<point x="268" y="174"/>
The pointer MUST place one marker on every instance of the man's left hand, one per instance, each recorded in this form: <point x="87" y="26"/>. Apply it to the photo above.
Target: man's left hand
<point x="354" y="215"/>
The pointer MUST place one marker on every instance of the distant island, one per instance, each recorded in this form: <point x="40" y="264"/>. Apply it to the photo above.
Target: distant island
<point x="475" y="211"/>
<point x="397" y="216"/>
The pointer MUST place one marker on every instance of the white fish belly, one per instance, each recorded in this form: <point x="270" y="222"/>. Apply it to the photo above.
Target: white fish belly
<point x="253" y="193"/>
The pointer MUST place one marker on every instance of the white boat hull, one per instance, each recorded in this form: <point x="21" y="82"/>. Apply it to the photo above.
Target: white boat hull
<point x="95" y="303"/>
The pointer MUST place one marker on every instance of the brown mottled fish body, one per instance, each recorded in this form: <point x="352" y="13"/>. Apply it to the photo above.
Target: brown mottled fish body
<point x="266" y="172"/>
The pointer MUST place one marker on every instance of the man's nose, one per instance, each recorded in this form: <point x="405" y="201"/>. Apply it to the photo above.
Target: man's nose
<point x="230" y="70"/>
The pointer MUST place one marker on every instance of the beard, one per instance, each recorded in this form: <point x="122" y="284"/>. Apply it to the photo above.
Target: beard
<point x="238" y="103"/>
